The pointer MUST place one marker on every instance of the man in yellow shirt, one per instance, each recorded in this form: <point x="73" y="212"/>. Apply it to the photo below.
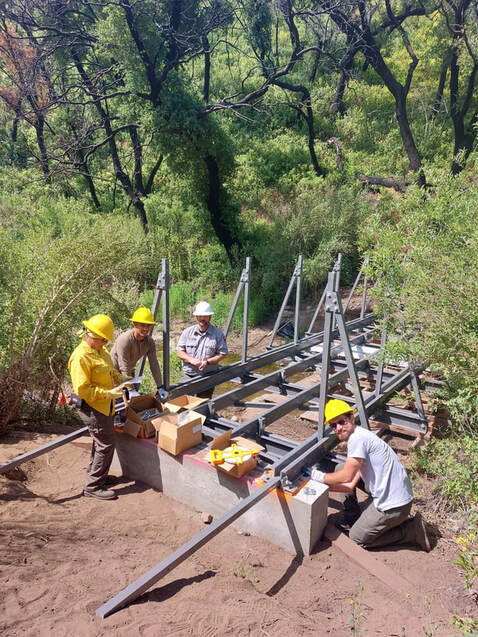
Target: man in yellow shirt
<point x="94" y="378"/>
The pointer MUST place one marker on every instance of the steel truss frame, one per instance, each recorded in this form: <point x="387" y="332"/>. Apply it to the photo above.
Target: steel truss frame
<point x="286" y="458"/>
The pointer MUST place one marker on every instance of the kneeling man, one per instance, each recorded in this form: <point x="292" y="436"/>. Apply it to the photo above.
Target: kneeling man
<point x="385" y="518"/>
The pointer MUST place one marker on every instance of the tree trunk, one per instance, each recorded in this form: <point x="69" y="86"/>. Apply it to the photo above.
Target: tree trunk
<point x="39" y="130"/>
<point x="91" y="186"/>
<point x="14" y="134"/>
<point x="437" y="102"/>
<point x="207" y="69"/>
<point x="406" y="132"/>
<point x="224" y="233"/>
<point x="310" y="141"/>
<point x="338" y="103"/>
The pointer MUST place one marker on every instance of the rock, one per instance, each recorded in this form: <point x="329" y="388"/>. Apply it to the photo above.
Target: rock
<point x="206" y="518"/>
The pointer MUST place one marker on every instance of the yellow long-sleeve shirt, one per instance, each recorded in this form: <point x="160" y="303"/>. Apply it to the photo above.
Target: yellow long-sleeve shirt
<point x="92" y="374"/>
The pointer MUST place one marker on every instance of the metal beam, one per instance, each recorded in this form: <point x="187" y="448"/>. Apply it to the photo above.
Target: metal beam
<point x="144" y="582"/>
<point x="258" y="383"/>
<point x="295" y="278"/>
<point x="277" y="411"/>
<point x="161" y="292"/>
<point x="25" y="457"/>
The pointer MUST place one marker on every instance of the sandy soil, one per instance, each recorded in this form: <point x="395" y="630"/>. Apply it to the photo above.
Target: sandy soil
<point x="63" y="555"/>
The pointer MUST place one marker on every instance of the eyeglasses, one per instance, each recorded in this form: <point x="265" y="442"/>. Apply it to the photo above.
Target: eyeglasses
<point x="340" y="422"/>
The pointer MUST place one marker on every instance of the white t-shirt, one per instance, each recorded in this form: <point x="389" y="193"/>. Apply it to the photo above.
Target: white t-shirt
<point x="382" y="472"/>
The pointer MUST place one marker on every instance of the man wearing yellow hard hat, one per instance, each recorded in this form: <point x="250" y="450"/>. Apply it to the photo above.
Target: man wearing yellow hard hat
<point x="94" y="379"/>
<point x="384" y="519"/>
<point x="135" y="343"/>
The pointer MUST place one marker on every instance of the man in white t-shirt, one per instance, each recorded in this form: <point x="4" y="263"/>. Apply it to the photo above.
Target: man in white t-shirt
<point x="385" y="518"/>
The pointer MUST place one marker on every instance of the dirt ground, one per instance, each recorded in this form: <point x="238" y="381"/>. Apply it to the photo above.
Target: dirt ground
<point x="63" y="555"/>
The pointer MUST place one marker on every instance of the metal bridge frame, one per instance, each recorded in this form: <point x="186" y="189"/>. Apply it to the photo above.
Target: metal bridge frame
<point x="284" y="457"/>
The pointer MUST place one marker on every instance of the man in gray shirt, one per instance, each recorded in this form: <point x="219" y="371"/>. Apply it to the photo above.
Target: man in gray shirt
<point x="201" y="346"/>
<point x="135" y="343"/>
<point x="384" y="519"/>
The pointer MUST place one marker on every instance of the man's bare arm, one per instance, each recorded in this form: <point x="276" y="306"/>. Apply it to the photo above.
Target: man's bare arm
<point x="347" y="476"/>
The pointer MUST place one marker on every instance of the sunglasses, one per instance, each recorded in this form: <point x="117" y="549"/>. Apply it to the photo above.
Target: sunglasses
<point x="340" y="422"/>
<point x="96" y="338"/>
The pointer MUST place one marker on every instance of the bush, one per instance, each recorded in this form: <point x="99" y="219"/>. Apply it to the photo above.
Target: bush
<point x="425" y="257"/>
<point x="50" y="281"/>
<point x="452" y="463"/>
<point x="318" y="220"/>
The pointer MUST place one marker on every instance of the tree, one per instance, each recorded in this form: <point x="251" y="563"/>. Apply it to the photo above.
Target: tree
<point x="462" y="21"/>
<point x="365" y="27"/>
<point x="25" y="91"/>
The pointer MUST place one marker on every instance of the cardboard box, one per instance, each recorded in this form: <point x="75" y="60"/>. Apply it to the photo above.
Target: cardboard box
<point x="236" y="470"/>
<point x="134" y="425"/>
<point x="183" y="402"/>
<point x="179" y="432"/>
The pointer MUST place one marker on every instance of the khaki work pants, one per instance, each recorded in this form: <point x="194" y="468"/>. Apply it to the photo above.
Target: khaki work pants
<point x="375" y="528"/>
<point x="102" y="433"/>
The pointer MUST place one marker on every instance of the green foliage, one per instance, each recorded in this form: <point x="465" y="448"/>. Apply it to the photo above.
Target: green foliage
<point x="183" y="296"/>
<point x="466" y="625"/>
<point x="452" y="463"/>
<point x="316" y="219"/>
<point x="468" y="558"/>
<point x="56" y="272"/>
<point x="423" y="250"/>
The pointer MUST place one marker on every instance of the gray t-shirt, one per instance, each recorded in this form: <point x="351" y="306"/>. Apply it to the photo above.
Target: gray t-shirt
<point x="382" y="472"/>
<point x="201" y="345"/>
<point x="127" y="351"/>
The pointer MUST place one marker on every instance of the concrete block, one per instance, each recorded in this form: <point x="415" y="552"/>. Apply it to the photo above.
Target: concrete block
<point x="292" y="521"/>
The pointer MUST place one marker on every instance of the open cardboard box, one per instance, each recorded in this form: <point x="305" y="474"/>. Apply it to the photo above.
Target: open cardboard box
<point x="179" y="432"/>
<point x="236" y="470"/>
<point x="183" y="402"/>
<point x="134" y="425"/>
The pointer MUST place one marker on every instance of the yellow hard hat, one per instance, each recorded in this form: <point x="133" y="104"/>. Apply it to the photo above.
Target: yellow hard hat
<point x="101" y="325"/>
<point x="143" y="315"/>
<point x="336" y="407"/>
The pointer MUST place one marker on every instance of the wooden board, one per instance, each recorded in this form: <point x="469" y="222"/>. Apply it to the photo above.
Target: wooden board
<point x="367" y="560"/>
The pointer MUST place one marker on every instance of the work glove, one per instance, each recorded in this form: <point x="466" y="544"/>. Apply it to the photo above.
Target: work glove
<point x="162" y="394"/>
<point x="317" y="475"/>
<point x="114" y="393"/>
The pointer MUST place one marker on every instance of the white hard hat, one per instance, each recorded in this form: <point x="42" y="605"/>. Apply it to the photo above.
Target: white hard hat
<point x="203" y="309"/>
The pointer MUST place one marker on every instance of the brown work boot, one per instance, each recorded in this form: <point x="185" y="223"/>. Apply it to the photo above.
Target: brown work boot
<point x="419" y="533"/>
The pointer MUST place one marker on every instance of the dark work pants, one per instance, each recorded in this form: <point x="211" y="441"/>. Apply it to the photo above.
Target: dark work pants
<point x="102" y="433"/>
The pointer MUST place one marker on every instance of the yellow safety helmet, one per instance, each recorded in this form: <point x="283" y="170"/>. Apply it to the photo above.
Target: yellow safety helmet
<point x="143" y="315"/>
<point x="336" y="407"/>
<point x="101" y="325"/>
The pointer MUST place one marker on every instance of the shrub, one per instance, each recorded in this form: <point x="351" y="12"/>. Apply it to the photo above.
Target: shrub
<point x="424" y="256"/>
<point x="452" y="463"/>
<point x="50" y="282"/>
